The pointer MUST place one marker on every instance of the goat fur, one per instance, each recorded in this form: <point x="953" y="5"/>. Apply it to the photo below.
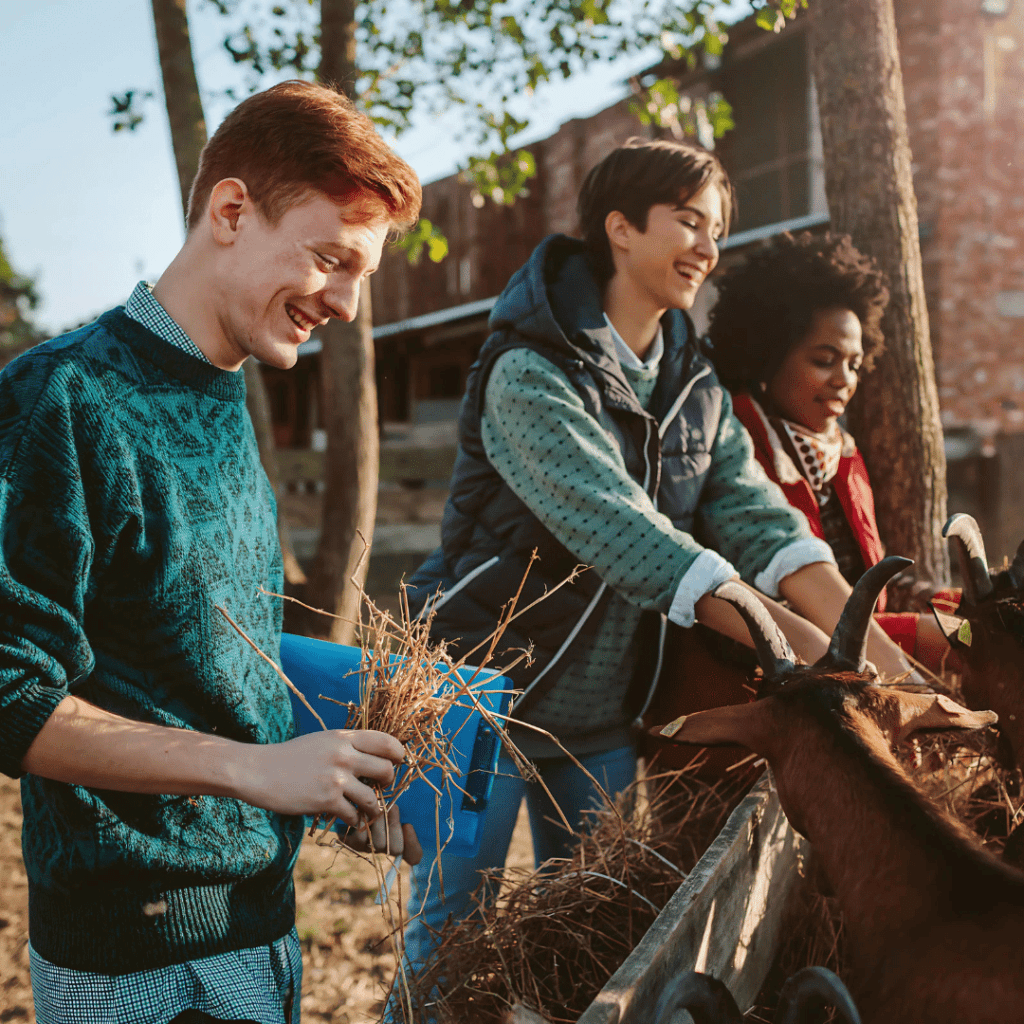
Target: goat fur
<point x="993" y="661"/>
<point x="934" y="921"/>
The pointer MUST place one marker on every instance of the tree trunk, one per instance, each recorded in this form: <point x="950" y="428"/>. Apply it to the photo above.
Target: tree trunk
<point x="895" y="415"/>
<point x="258" y="403"/>
<point x="338" y="45"/>
<point x="352" y="464"/>
<point x="188" y="136"/>
<point x="349" y="399"/>
<point x="181" y="91"/>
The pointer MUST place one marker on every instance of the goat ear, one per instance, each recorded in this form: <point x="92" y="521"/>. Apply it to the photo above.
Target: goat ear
<point x="956" y="630"/>
<point x="920" y="712"/>
<point x="743" y="724"/>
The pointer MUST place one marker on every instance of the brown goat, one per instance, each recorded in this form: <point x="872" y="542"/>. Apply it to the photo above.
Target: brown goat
<point x="934" y="921"/>
<point x="700" y="670"/>
<point x="991" y="648"/>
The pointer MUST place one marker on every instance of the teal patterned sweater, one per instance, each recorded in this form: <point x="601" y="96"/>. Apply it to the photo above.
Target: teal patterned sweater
<point x="132" y="502"/>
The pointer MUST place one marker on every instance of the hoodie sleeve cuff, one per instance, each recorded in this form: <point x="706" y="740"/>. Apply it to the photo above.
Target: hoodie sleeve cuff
<point x="707" y="571"/>
<point x="790" y="558"/>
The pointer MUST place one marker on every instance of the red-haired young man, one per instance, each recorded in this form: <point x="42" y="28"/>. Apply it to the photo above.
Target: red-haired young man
<point x="163" y="792"/>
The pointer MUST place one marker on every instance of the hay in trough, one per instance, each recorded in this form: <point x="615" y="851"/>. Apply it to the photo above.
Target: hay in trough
<point x="407" y="685"/>
<point x="554" y="936"/>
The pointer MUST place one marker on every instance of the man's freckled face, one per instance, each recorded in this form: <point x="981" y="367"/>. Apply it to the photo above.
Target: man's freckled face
<point x="820" y="374"/>
<point x="284" y="279"/>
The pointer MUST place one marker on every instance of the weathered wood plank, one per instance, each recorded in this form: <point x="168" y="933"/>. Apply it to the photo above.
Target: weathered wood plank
<point x="723" y="920"/>
<point x="417" y="463"/>
<point x="397" y="462"/>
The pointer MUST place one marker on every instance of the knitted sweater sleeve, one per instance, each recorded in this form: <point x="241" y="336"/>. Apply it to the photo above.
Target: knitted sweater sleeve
<point x="747" y="518"/>
<point x="45" y="559"/>
<point x="565" y="467"/>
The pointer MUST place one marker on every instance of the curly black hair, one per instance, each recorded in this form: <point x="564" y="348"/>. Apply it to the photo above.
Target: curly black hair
<point x="766" y="304"/>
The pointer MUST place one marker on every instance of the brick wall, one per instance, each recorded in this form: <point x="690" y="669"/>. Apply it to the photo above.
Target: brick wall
<point x="964" y="82"/>
<point x="488" y="243"/>
<point x="964" y="86"/>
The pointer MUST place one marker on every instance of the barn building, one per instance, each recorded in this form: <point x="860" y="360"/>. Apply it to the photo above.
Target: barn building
<point x="963" y="76"/>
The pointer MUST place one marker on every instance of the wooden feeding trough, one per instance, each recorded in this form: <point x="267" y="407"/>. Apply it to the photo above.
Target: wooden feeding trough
<point x="725" y="919"/>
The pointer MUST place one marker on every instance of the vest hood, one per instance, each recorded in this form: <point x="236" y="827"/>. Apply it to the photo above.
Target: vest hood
<point x="552" y="306"/>
<point x="554" y="301"/>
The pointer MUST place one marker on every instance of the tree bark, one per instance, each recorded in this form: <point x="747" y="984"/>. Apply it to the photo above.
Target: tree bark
<point x="349" y="400"/>
<point x="188" y="136"/>
<point x="338" y="45"/>
<point x="351" y="470"/>
<point x="895" y="414"/>
<point x="257" y="401"/>
<point x="181" y="91"/>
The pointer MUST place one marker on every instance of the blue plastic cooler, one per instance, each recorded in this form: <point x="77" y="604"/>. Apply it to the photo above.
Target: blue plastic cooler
<point x="319" y="667"/>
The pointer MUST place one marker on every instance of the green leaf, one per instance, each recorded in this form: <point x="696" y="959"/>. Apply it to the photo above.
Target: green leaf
<point x="963" y="634"/>
<point x="424" y="236"/>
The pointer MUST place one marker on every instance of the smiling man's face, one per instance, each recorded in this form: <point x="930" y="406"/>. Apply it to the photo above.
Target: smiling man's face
<point x="279" y="281"/>
<point x="668" y="261"/>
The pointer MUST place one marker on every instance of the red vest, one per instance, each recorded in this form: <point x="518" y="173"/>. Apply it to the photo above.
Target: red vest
<point x="851" y="483"/>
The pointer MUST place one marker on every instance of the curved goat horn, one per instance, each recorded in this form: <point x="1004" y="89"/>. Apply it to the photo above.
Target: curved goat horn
<point x="964" y="535"/>
<point x="848" y="650"/>
<point x="811" y="990"/>
<point x="773" y="650"/>
<point x="706" y="999"/>
<point x="1017" y="567"/>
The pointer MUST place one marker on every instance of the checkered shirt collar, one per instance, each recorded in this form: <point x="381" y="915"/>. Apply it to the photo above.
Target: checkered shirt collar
<point x="144" y="308"/>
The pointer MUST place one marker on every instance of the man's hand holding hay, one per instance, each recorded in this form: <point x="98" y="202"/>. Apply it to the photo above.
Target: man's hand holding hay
<point x="331" y="775"/>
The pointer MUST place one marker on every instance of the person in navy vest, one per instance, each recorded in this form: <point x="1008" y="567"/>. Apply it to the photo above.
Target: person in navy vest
<point x="595" y="431"/>
<point x="795" y="327"/>
<point x="162" y="784"/>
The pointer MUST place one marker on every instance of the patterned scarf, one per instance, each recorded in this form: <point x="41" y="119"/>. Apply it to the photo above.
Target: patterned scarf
<point x="816" y="455"/>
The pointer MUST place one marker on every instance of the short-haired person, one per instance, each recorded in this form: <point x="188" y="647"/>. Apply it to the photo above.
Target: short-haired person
<point x="795" y="326"/>
<point x="595" y="431"/>
<point x="162" y="788"/>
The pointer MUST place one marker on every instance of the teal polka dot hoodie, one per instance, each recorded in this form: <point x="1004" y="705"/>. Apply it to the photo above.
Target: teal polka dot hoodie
<point x="642" y="473"/>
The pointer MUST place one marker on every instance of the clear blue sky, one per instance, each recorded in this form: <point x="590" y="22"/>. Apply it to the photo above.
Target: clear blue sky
<point x="88" y="212"/>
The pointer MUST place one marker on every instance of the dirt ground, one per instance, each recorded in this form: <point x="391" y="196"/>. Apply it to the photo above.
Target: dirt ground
<point x="347" y="959"/>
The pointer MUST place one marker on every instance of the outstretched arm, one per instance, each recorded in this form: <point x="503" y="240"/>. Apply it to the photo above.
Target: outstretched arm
<point x="319" y="773"/>
<point x="806" y="639"/>
<point x="819" y="592"/>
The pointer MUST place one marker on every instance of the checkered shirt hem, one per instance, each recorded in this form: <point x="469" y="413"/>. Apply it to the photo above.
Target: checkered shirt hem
<point x="247" y="984"/>
<point x="146" y="310"/>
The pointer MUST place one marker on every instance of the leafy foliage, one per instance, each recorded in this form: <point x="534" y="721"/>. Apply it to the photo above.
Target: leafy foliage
<point x="486" y="58"/>
<point x="126" y="110"/>
<point x="425" y="236"/>
<point x="18" y="297"/>
<point x="661" y="104"/>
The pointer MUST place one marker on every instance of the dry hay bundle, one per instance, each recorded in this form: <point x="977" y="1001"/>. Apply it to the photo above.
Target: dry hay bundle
<point x="555" y="935"/>
<point x="409" y="682"/>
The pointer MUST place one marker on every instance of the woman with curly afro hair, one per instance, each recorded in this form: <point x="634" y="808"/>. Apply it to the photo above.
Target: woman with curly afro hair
<point x="793" y="329"/>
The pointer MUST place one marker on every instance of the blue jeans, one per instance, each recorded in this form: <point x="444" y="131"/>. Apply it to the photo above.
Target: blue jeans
<point x="574" y="793"/>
